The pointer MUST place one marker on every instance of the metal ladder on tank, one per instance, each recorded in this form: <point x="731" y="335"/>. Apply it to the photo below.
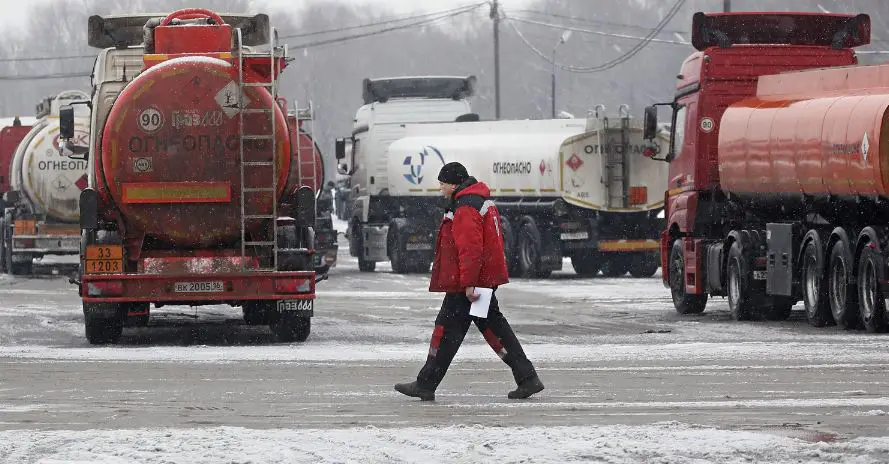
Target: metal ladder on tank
<point x="311" y="175"/>
<point x="616" y="166"/>
<point x="258" y="243"/>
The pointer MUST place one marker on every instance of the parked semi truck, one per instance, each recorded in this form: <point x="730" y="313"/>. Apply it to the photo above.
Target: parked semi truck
<point x="778" y="188"/>
<point x="189" y="165"/>
<point x="40" y="212"/>
<point x="564" y="187"/>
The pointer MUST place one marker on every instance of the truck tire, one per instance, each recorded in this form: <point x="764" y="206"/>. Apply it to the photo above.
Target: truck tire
<point x="871" y="302"/>
<point x="291" y="328"/>
<point x="643" y="265"/>
<point x="103" y="323"/>
<point x="586" y="264"/>
<point x="842" y="296"/>
<point x="3" y="246"/>
<point x="363" y="265"/>
<point x="739" y="272"/>
<point x="683" y="302"/>
<point x="616" y="265"/>
<point x="256" y="312"/>
<point x="509" y="246"/>
<point x="814" y="290"/>
<point x="397" y="253"/>
<point x="529" y="250"/>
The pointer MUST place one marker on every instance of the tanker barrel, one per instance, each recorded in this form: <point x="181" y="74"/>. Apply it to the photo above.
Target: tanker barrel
<point x="89" y="209"/>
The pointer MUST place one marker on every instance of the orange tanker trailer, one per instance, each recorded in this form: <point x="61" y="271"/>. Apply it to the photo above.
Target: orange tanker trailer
<point x="779" y="170"/>
<point x="191" y="198"/>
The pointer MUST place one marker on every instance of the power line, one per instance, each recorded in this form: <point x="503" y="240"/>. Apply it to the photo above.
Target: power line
<point x="46" y="76"/>
<point x="588" y="31"/>
<point x="381" y="22"/>
<point x="610" y="64"/>
<point x="596" y="21"/>
<point x="424" y="22"/>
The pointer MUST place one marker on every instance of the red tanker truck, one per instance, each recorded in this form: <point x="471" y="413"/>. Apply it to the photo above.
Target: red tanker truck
<point x="191" y="197"/>
<point x="779" y="170"/>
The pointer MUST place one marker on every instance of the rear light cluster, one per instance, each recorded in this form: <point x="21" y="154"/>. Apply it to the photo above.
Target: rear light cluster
<point x="293" y="285"/>
<point x="105" y="288"/>
<point x="638" y="195"/>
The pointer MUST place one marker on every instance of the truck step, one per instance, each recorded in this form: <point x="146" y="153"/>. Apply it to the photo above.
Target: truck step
<point x="261" y="243"/>
<point x="259" y="216"/>
<point x="257" y="84"/>
<point x="257" y="163"/>
<point x="258" y="189"/>
<point x="256" y="137"/>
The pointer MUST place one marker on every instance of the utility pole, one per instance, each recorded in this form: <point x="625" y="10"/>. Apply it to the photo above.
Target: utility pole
<point x="726" y="6"/>
<point x="495" y="15"/>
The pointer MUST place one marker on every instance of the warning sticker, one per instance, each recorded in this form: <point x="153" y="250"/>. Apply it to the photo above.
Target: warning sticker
<point x="150" y="120"/>
<point x="227" y="98"/>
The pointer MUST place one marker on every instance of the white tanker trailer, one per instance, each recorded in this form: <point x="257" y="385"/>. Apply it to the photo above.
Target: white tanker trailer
<point x="565" y="187"/>
<point x="41" y="213"/>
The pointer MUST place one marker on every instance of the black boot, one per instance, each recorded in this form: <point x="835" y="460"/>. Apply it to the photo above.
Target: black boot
<point x="416" y="391"/>
<point x="527" y="388"/>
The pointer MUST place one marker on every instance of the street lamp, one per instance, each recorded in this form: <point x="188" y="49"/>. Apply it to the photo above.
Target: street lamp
<point x="562" y="39"/>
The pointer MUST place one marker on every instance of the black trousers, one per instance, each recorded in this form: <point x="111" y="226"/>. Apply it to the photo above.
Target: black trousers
<point x="451" y="326"/>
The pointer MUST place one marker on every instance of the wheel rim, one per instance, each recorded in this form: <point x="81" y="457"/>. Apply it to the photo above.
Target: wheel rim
<point x="838" y="284"/>
<point x="813" y="282"/>
<point x="868" y="291"/>
<point x="677" y="267"/>
<point x="734" y="284"/>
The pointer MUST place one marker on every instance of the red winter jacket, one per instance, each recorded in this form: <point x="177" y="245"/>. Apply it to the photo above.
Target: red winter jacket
<point x="469" y="249"/>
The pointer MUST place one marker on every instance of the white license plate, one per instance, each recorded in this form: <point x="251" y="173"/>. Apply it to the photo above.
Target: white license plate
<point x="199" y="287"/>
<point x="417" y="246"/>
<point x="295" y="305"/>
<point x="575" y="235"/>
<point x="759" y="275"/>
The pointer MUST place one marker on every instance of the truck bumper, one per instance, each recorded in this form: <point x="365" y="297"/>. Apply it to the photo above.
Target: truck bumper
<point x="198" y="289"/>
<point x="46" y="244"/>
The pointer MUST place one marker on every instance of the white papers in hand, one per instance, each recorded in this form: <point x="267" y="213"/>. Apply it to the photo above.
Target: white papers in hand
<point x="480" y="306"/>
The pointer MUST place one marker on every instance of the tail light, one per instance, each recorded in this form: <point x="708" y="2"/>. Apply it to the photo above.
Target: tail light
<point x="105" y="288"/>
<point x="293" y="285"/>
<point x="638" y="195"/>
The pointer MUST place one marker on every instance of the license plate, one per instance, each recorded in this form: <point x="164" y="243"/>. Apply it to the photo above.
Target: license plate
<point x="575" y="235"/>
<point x="301" y="306"/>
<point x="759" y="275"/>
<point x="199" y="287"/>
<point x="417" y="246"/>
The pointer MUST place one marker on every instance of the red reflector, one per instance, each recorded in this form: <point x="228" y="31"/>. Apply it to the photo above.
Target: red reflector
<point x="105" y="288"/>
<point x="293" y="285"/>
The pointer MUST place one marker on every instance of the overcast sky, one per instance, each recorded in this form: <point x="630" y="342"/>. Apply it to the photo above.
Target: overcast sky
<point x="13" y="11"/>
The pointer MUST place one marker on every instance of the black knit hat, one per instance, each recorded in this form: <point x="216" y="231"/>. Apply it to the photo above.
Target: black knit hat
<point x="453" y="173"/>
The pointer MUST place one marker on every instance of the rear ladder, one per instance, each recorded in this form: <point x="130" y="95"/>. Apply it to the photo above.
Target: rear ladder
<point x="263" y="246"/>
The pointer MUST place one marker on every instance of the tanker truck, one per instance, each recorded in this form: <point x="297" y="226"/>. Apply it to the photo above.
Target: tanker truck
<point x="41" y="211"/>
<point x="191" y="198"/>
<point x="778" y="187"/>
<point x="564" y="187"/>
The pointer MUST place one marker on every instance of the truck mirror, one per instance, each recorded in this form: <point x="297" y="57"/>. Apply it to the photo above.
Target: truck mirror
<point x="12" y="197"/>
<point x="650" y="128"/>
<point x="343" y="169"/>
<point x="89" y="209"/>
<point x="340" y="148"/>
<point x="66" y="122"/>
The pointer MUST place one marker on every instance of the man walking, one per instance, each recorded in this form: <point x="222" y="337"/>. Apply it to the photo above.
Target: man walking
<point x="469" y="254"/>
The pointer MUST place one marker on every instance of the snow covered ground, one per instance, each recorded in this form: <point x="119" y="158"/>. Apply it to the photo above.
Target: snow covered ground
<point x="662" y="443"/>
<point x="627" y="380"/>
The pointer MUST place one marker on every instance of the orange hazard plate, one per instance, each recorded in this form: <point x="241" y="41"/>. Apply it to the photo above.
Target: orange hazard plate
<point x="103" y="259"/>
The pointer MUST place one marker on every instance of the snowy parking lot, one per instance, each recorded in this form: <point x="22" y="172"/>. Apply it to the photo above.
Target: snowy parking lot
<point x="627" y="380"/>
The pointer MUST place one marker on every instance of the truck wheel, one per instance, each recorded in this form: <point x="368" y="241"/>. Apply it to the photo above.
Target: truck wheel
<point x="814" y="292"/>
<point x="529" y="250"/>
<point x="292" y="328"/>
<point x="256" y="312"/>
<point x="644" y="265"/>
<point x="842" y="296"/>
<point x="872" y="304"/>
<point x="397" y="252"/>
<point x="103" y="323"/>
<point x="683" y="302"/>
<point x="586" y="264"/>
<point x="615" y="266"/>
<point x="3" y="247"/>
<point x="509" y="246"/>
<point x="741" y="300"/>
<point x="363" y="265"/>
